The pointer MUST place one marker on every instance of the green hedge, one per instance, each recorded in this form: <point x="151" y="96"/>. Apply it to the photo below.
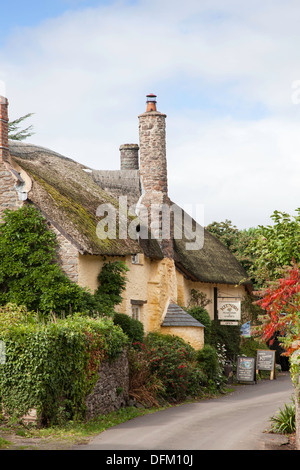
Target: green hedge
<point x="132" y="327"/>
<point x="53" y="367"/>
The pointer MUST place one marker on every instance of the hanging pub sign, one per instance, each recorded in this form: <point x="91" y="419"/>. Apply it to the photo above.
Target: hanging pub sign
<point x="229" y="310"/>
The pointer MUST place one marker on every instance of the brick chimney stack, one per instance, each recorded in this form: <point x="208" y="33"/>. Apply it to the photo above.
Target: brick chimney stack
<point x="4" y="149"/>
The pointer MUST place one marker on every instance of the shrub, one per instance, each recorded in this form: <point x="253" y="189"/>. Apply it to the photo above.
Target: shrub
<point x="229" y="336"/>
<point x="208" y="360"/>
<point x="174" y="362"/>
<point x="53" y="366"/>
<point x="202" y="315"/>
<point x="133" y="328"/>
<point x="144" y="385"/>
<point x="29" y="272"/>
<point x="284" y="422"/>
<point x="249" y="347"/>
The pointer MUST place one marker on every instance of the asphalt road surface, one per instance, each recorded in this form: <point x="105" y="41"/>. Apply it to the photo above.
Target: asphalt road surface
<point x="237" y="421"/>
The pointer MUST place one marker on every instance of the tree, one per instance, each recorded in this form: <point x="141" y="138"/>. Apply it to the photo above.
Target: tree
<point x="13" y="129"/>
<point x="29" y="272"/>
<point x="235" y="240"/>
<point x="275" y="246"/>
<point x="280" y="301"/>
<point x="31" y="276"/>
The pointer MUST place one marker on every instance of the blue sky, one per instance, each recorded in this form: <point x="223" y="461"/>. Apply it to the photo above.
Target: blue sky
<point x="29" y="13"/>
<point x="226" y="76"/>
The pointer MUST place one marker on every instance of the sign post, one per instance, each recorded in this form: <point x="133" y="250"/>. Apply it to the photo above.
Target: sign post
<point x="245" y="371"/>
<point x="266" y="361"/>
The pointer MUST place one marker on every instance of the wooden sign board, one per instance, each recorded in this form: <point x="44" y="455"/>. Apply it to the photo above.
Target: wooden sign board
<point x="245" y="371"/>
<point x="229" y="310"/>
<point x="265" y="360"/>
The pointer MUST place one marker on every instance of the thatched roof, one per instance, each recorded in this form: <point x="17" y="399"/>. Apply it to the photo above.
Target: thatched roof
<point x="68" y="197"/>
<point x="213" y="262"/>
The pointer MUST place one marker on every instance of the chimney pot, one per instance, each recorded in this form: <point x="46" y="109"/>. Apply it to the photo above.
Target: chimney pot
<point x="151" y="102"/>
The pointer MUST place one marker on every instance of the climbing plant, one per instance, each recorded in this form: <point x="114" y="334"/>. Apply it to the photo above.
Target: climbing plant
<point x="29" y="271"/>
<point x="52" y="366"/>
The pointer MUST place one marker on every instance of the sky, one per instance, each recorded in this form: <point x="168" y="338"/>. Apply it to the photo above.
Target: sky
<point x="226" y="74"/>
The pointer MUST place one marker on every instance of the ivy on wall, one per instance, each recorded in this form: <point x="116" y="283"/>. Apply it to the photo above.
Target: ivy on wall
<point x="30" y="274"/>
<point x="52" y="352"/>
<point x="53" y="366"/>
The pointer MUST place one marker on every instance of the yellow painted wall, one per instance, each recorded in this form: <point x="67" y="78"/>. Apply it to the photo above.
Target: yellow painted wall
<point x="184" y="287"/>
<point x="151" y="281"/>
<point x="192" y="334"/>
<point x="157" y="283"/>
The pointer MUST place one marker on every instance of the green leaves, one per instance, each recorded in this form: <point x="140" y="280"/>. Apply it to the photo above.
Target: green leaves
<point x="284" y="422"/>
<point x="14" y="132"/>
<point x="53" y="366"/>
<point x="235" y="240"/>
<point x="275" y="246"/>
<point x="30" y="274"/>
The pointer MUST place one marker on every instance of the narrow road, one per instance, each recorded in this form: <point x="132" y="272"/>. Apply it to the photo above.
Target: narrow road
<point x="233" y="422"/>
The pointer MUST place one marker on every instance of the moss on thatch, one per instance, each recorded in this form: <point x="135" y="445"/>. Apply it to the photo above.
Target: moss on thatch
<point x="69" y="198"/>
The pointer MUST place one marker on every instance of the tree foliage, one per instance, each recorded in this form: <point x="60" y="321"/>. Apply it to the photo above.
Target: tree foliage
<point x="235" y="240"/>
<point x="275" y="246"/>
<point x="30" y="274"/>
<point x="14" y="131"/>
<point x="280" y="301"/>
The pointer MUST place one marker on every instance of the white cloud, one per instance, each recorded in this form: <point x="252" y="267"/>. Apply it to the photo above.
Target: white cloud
<point x="85" y="76"/>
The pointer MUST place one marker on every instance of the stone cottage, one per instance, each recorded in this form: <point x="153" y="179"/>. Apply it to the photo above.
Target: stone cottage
<point x="126" y="214"/>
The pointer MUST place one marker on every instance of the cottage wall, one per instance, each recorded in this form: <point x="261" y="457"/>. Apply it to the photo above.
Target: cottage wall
<point x="184" y="287"/>
<point x="152" y="285"/>
<point x="191" y="334"/>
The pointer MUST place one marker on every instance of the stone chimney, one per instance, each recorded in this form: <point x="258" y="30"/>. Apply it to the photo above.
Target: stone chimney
<point x="129" y="157"/>
<point x="153" y="161"/>
<point x="153" y="167"/>
<point x="4" y="149"/>
<point x="11" y="182"/>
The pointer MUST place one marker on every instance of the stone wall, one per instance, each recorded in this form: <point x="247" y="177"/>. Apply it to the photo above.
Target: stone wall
<point x="129" y="157"/>
<point x="112" y="388"/>
<point x="8" y="194"/>
<point x="67" y="255"/>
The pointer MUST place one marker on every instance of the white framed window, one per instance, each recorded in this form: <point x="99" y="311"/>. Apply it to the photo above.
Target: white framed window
<point x="135" y="312"/>
<point x="135" y="259"/>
